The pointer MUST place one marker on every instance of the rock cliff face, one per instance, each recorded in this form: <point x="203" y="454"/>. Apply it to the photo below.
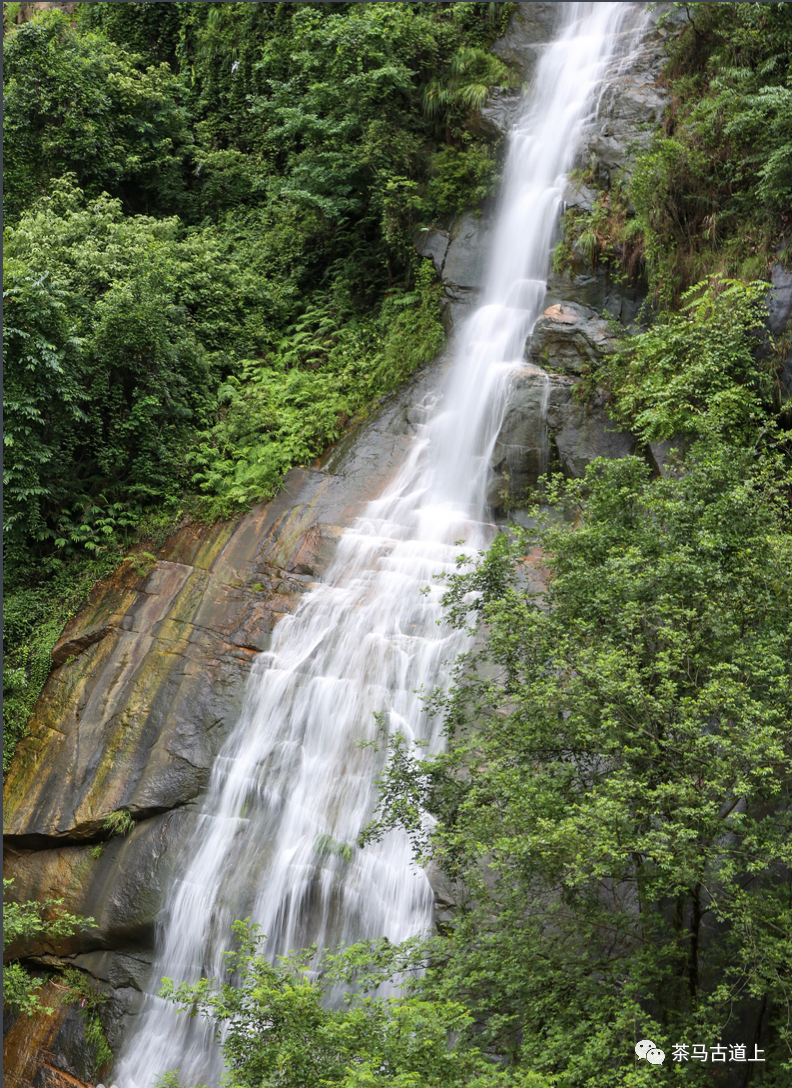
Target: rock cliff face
<point x="146" y="682"/>
<point x="545" y="422"/>
<point x="148" y="678"/>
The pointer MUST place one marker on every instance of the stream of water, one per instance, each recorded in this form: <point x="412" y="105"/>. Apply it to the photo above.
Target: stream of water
<point x="291" y="790"/>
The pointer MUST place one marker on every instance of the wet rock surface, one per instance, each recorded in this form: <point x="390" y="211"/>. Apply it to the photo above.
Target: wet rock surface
<point x="600" y="291"/>
<point x="780" y="322"/>
<point x="529" y="29"/>
<point x="464" y="267"/>
<point x="148" y="679"/>
<point x="570" y="339"/>
<point x="48" y="1051"/>
<point x="631" y="107"/>
<point x="545" y="426"/>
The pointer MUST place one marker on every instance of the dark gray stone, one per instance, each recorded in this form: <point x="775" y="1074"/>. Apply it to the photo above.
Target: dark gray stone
<point x="71" y="1051"/>
<point x="779" y="303"/>
<point x="664" y="456"/>
<point x="464" y="266"/>
<point x="433" y="243"/>
<point x="521" y="453"/>
<point x="578" y="195"/>
<point x="584" y="432"/>
<point x="600" y="292"/>
<point x="570" y="339"/>
<point x="498" y="114"/>
<point x="779" y="308"/>
<point x="631" y="107"/>
<point x="446" y="894"/>
<point x="542" y="413"/>
<point x="530" y="27"/>
<point x="121" y="885"/>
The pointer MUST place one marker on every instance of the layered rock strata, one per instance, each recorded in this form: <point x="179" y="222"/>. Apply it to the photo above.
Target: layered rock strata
<point x="149" y="677"/>
<point x="147" y="681"/>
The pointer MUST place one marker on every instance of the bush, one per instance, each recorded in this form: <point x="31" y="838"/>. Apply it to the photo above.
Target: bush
<point x="75" y="101"/>
<point x="696" y="372"/>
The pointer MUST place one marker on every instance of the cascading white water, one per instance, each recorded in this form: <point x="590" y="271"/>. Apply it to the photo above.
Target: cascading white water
<point x="291" y="790"/>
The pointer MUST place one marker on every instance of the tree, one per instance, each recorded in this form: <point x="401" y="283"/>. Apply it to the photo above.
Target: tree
<point x="75" y="101"/>
<point x="42" y="403"/>
<point x="615" y="798"/>
<point x="278" y="1029"/>
<point x="105" y="378"/>
<point x="699" y="370"/>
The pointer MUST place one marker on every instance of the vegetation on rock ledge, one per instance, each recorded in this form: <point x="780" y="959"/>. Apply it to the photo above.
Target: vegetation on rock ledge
<point x="209" y="268"/>
<point x="209" y="273"/>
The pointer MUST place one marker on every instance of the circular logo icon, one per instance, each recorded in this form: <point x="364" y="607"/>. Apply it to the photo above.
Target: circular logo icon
<point x="643" y="1048"/>
<point x="655" y="1056"/>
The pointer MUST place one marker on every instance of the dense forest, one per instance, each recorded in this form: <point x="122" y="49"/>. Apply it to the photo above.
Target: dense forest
<point x="210" y="273"/>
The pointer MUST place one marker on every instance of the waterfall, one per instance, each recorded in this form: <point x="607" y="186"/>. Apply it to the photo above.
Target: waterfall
<point x="291" y="789"/>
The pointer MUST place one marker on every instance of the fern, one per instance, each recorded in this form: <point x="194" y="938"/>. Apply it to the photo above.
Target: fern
<point x="118" y="823"/>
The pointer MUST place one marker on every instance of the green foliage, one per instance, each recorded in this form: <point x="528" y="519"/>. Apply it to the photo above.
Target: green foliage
<point x="118" y="823"/>
<point x="41" y="398"/>
<point x="41" y="921"/>
<point x="710" y="196"/>
<point x="696" y="371"/>
<point x="473" y="72"/>
<point x="606" y="235"/>
<point x="78" y="988"/>
<point x="614" y="801"/>
<point x="712" y="193"/>
<point x="460" y="178"/>
<point x="141" y="562"/>
<point x="150" y="31"/>
<point x="287" y="408"/>
<point x="326" y="844"/>
<point x="312" y="157"/>
<point x="171" y="1080"/>
<point x="33" y="617"/>
<point x="75" y="101"/>
<point x="105" y="377"/>
<point x="147" y="355"/>
<point x="277" y="1029"/>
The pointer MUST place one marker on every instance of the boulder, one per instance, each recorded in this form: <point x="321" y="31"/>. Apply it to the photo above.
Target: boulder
<point x="664" y="455"/>
<point x="463" y="270"/>
<point x="148" y="678"/>
<point x="497" y="115"/>
<point x="570" y="339"/>
<point x="578" y="195"/>
<point x="48" y="1051"/>
<point x="119" y="883"/>
<point x="432" y="243"/>
<point x="584" y="432"/>
<point x="521" y="452"/>
<point x="600" y="292"/>
<point x="543" y="420"/>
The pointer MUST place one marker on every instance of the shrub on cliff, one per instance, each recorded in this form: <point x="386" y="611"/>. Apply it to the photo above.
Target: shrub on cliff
<point x="615" y="797"/>
<point x="75" y="101"/>
<point x="714" y="191"/>
<point x="277" y="1027"/>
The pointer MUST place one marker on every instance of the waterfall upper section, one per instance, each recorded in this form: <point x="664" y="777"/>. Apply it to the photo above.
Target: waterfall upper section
<point x="292" y="787"/>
